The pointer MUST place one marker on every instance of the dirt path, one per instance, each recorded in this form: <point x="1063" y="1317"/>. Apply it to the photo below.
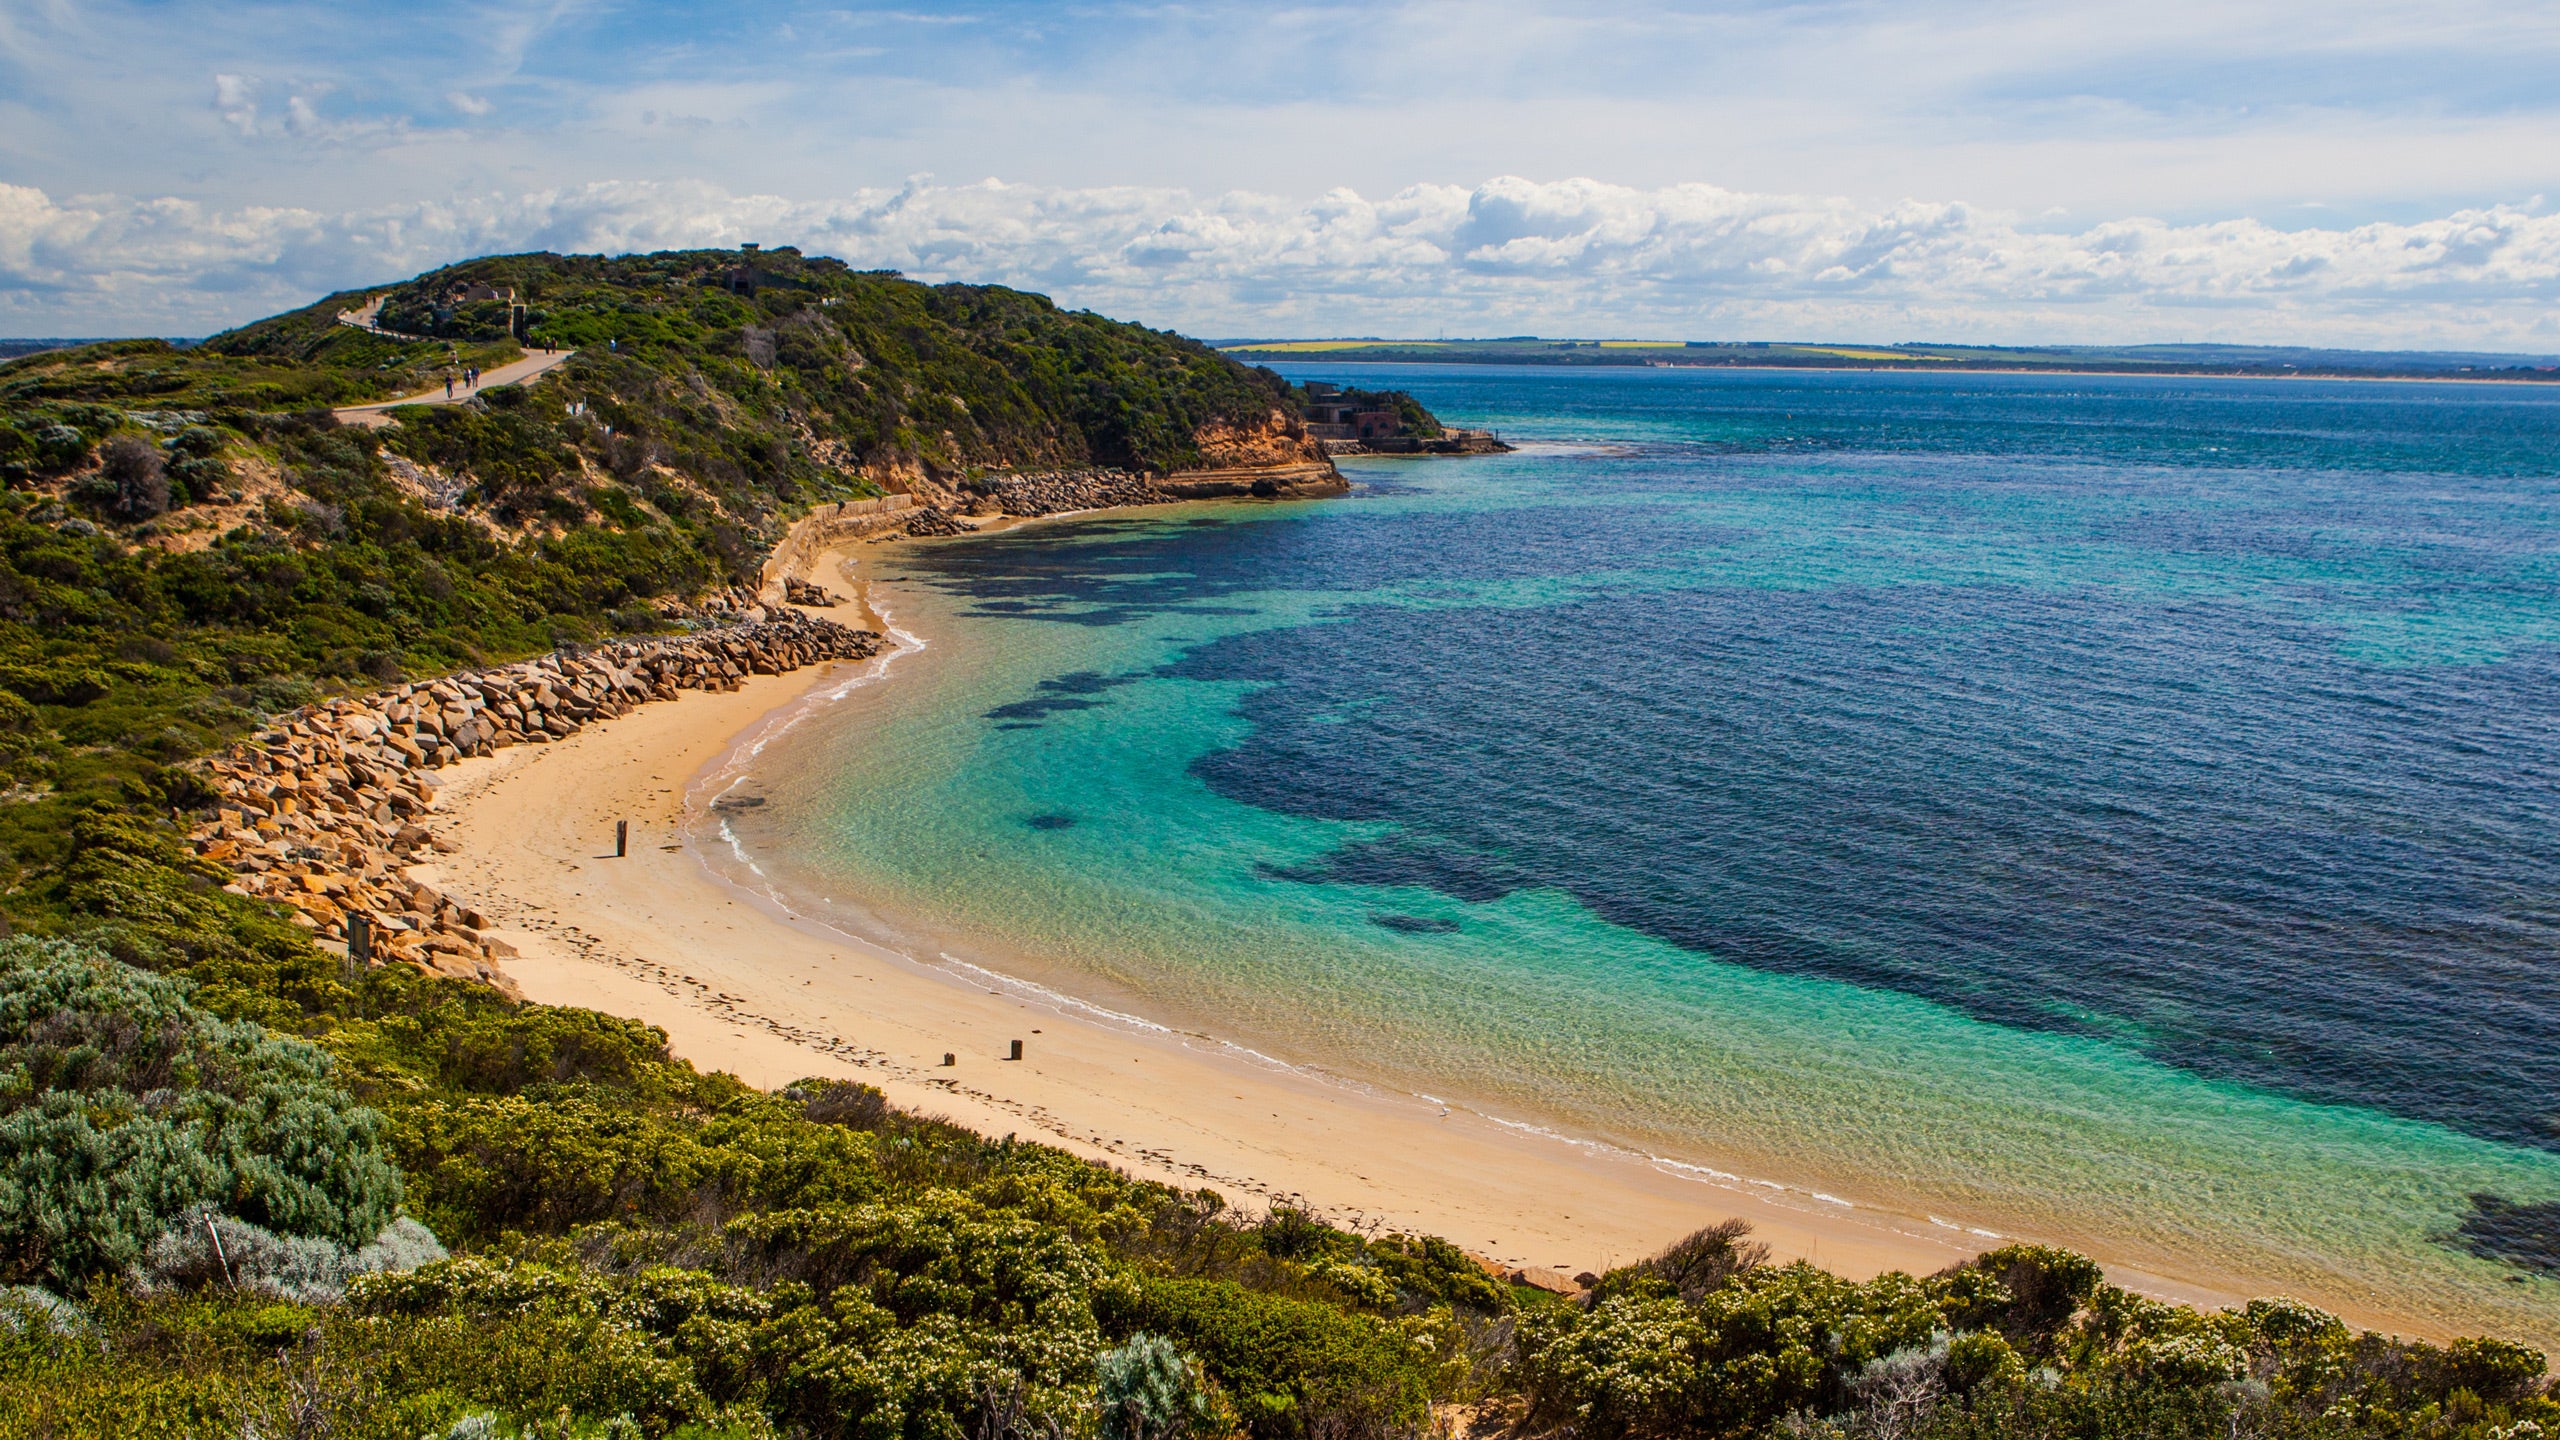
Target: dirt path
<point x="534" y="364"/>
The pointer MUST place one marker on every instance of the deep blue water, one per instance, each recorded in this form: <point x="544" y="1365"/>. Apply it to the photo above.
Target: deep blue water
<point x="2213" y="718"/>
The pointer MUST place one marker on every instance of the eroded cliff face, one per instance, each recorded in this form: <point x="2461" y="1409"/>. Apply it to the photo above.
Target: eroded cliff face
<point x="1280" y="439"/>
<point x="1272" y="457"/>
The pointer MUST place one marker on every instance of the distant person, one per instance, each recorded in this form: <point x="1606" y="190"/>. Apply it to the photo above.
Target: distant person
<point x="448" y="387"/>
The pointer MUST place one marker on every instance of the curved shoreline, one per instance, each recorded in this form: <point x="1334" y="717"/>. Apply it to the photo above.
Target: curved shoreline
<point x="741" y="983"/>
<point x="530" y="854"/>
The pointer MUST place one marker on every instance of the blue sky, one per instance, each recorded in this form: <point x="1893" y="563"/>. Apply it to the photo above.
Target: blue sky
<point x="2359" y="173"/>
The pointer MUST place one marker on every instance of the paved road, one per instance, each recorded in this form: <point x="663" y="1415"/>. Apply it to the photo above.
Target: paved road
<point x="533" y="364"/>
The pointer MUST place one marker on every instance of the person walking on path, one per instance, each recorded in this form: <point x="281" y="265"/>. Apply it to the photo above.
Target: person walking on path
<point x="448" y="387"/>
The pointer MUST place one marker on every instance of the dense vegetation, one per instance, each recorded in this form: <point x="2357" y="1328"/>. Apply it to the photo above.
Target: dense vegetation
<point x="231" y="1167"/>
<point x="647" y="1249"/>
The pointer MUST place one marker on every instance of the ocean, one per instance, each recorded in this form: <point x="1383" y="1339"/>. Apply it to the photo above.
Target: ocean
<point x="2111" y="810"/>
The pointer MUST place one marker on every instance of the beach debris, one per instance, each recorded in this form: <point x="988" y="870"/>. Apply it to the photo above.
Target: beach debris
<point x="621" y="838"/>
<point x="949" y="1059"/>
<point x="325" y="811"/>
<point x="1017" y="1051"/>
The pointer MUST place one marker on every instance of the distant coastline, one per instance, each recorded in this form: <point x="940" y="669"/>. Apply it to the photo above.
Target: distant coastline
<point x="2228" y="361"/>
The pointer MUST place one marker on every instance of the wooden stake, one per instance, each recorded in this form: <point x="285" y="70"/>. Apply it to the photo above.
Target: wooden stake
<point x="621" y="838"/>
<point x="1017" y="1051"/>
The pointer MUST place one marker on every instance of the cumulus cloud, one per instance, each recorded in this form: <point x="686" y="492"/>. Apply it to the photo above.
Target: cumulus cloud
<point x="1510" y="255"/>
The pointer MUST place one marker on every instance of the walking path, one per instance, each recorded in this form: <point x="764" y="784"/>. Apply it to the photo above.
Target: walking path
<point x="534" y="364"/>
<point x="364" y="319"/>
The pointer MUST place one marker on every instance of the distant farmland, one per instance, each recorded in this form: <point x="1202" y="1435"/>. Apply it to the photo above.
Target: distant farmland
<point x="2121" y="359"/>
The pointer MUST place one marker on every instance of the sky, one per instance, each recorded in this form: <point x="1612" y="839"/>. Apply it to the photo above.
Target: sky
<point x="2354" y="172"/>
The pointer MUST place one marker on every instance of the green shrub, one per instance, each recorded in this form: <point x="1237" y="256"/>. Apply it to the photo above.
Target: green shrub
<point x="1771" y="1341"/>
<point x="61" y="447"/>
<point x="1148" y="1390"/>
<point x="1291" y="1367"/>
<point x="123" y="1107"/>
<point x="207" y="1249"/>
<point x="2026" y="1292"/>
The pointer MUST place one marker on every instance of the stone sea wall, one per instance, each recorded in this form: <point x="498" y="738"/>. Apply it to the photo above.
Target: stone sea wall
<point x="325" y="811"/>
<point x="822" y="526"/>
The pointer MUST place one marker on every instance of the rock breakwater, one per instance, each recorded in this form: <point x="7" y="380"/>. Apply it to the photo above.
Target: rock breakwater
<point x="1053" y="492"/>
<point x="326" y="811"/>
<point x="931" y="522"/>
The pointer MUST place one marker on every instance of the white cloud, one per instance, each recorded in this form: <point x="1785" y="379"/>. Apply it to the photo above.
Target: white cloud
<point x="235" y="99"/>
<point x="1691" y="261"/>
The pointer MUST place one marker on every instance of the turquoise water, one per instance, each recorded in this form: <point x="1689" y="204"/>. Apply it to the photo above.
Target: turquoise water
<point x="2110" y="810"/>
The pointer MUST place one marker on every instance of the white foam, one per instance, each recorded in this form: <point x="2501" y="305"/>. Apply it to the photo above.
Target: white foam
<point x="874" y="669"/>
<point x="1683" y="1167"/>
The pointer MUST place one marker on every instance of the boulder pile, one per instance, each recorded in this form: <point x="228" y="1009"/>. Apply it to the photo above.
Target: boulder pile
<point x="324" y="811"/>
<point x="932" y="521"/>
<point x="1047" y="492"/>
<point x="738" y="602"/>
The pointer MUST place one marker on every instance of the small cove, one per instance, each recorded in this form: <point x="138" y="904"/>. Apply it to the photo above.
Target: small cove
<point x="2113" y="811"/>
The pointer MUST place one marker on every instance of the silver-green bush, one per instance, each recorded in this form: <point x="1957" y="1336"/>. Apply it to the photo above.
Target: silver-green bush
<point x="124" y="1107"/>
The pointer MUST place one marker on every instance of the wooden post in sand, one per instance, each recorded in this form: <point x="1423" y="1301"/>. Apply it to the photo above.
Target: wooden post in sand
<point x="1017" y="1051"/>
<point x="950" y="1059"/>
<point x="621" y="838"/>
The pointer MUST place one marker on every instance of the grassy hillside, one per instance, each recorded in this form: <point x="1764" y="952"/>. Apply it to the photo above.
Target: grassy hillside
<point x="188" y="541"/>
<point x="208" y="1124"/>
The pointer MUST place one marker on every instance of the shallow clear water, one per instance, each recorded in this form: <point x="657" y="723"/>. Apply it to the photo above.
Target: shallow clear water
<point x="2117" y="810"/>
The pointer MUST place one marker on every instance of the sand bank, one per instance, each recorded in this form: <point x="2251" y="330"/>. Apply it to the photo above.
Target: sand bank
<point x="741" y="986"/>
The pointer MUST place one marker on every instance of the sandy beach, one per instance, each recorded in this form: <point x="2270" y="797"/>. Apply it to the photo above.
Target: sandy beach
<point x="741" y="986"/>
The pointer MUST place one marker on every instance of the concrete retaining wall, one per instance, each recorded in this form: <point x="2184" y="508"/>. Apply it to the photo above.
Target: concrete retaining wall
<point x="822" y="525"/>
